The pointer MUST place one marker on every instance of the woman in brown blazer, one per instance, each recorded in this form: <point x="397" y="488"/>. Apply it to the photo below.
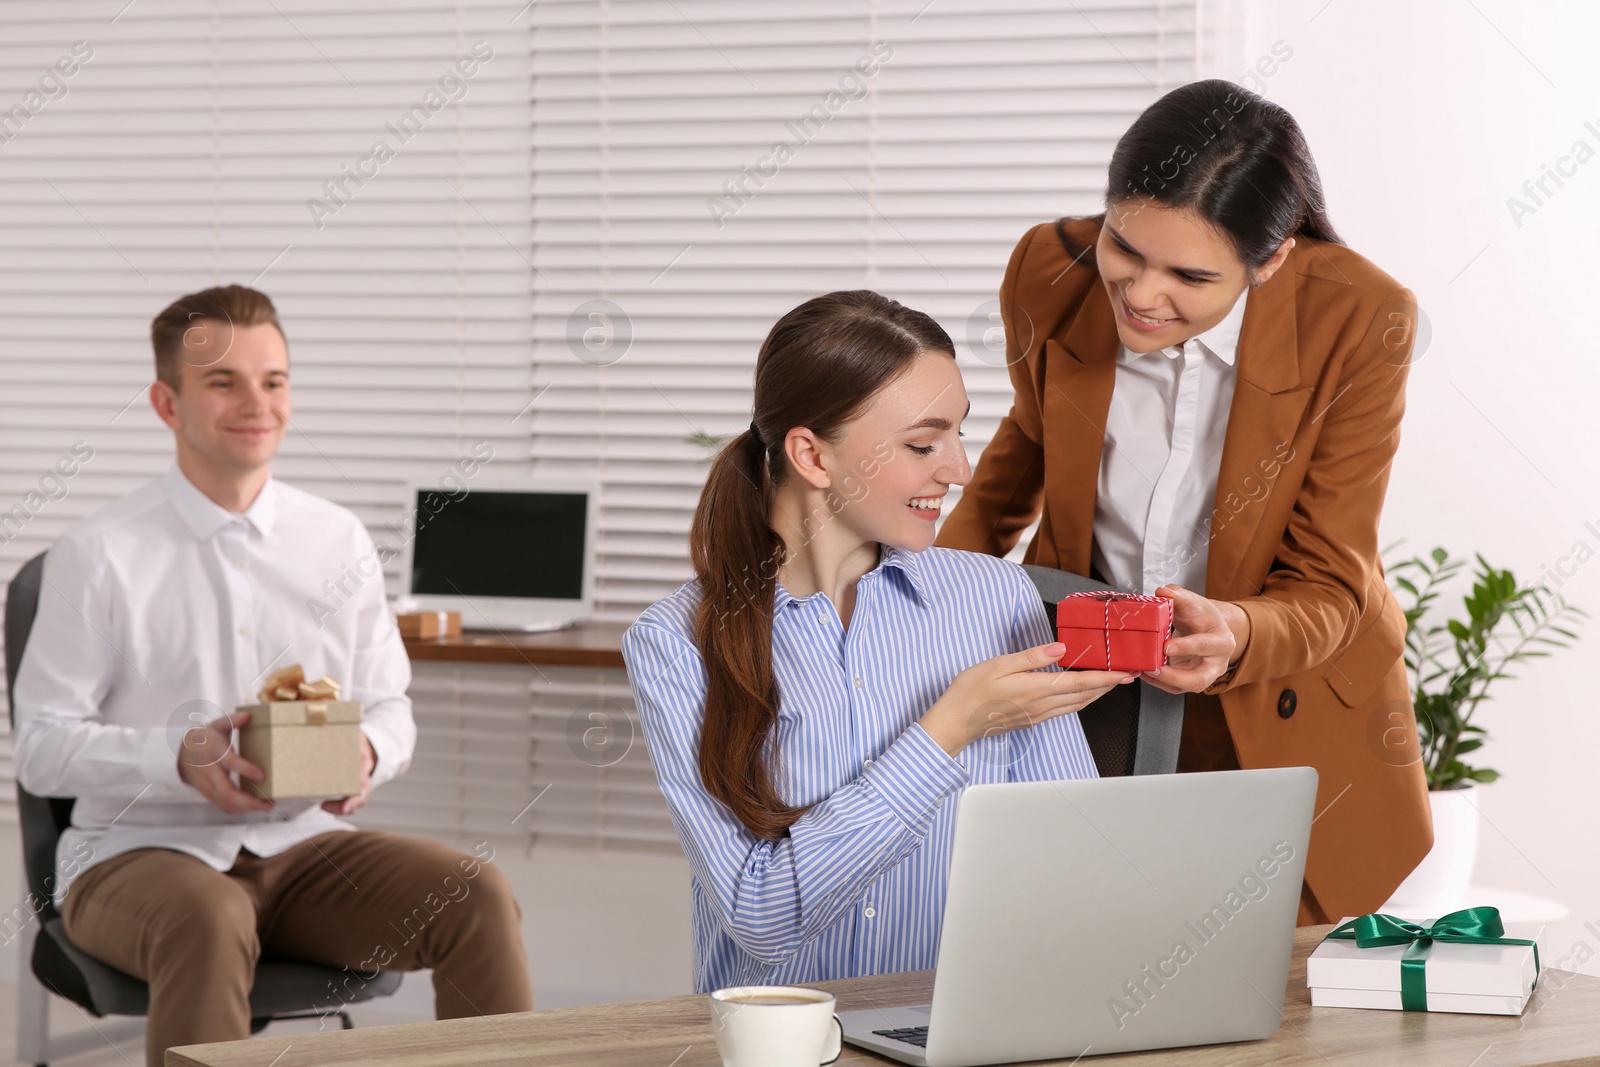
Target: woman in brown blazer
<point x="1209" y="387"/>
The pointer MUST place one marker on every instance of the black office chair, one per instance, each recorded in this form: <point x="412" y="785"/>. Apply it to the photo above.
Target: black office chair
<point x="1134" y="729"/>
<point x="283" y="989"/>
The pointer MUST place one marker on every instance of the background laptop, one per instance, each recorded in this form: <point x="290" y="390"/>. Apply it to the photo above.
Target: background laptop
<point x="507" y="557"/>
<point x="1108" y="915"/>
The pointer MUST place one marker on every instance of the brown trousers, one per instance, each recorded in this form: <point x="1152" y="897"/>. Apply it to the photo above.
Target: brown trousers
<point x="361" y="900"/>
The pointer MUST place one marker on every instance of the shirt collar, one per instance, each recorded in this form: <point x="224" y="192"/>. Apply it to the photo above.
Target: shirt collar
<point x="1222" y="340"/>
<point x="909" y="564"/>
<point x="205" y="517"/>
<point x="905" y="561"/>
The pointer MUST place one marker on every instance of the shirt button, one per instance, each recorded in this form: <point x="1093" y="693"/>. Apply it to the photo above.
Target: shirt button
<point x="860" y="684"/>
<point x="823" y="619"/>
<point x="867" y="764"/>
<point x="870" y="912"/>
<point x="244" y="631"/>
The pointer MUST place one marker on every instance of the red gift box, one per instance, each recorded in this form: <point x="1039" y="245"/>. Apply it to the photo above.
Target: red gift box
<point x="1114" y="631"/>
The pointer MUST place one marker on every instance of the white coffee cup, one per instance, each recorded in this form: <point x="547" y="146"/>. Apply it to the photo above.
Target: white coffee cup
<point x="775" y="1026"/>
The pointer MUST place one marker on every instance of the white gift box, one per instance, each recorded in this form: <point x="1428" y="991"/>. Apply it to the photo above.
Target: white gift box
<point x="1477" y="979"/>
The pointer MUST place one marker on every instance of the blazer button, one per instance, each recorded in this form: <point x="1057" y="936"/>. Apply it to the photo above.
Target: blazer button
<point x="1286" y="702"/>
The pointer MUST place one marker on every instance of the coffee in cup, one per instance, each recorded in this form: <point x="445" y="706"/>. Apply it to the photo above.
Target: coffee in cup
<point x="775" y="1026"/>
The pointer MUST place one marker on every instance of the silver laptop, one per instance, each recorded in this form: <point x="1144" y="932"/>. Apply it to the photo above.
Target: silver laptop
<point x="1110" y="915"/>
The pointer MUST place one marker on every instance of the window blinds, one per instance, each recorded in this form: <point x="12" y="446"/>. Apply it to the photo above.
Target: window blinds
<point x="569" y="255"/>
<point x="702" y="166"/>
<point x="366" y="165"/>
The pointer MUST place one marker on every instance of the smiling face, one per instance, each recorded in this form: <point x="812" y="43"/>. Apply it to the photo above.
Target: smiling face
<point x="892" y="465"/>
<point x="1169" y="275"/>
<point x="231" y="408"/>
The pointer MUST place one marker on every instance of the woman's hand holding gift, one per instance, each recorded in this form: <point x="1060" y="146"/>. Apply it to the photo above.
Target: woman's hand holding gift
<point x="1208" y="637"/>
<point x="1012" y="692"/>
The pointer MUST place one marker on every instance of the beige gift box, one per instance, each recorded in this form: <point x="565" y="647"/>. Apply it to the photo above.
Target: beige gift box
<point x="306" y="747"/>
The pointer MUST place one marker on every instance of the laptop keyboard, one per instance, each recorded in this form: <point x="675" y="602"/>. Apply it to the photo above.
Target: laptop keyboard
<point x="911" y="1035"/>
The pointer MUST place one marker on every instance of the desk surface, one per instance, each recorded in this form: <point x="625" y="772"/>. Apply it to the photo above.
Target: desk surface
<point x="588" y="644"/>
<point x="1557" y="1027"/>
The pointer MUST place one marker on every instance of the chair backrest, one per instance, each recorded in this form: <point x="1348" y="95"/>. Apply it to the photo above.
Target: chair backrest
<point x="22" y="604"/>
<point x="43" y="819"/>
<point x="1134" y="729"/>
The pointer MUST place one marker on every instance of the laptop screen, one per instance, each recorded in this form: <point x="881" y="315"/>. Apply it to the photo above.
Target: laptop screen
<point x="495" y="543"/>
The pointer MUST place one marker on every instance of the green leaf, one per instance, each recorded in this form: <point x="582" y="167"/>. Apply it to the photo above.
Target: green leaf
<point x="1453" y="663"/>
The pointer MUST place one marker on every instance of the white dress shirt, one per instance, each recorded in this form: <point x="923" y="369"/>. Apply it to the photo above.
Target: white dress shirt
<point x="162" y="611"/>
<point x="1158" y="467"/>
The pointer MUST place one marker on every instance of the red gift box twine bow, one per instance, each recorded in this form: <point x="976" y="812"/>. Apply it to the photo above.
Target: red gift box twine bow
<point x="1108" y="598"/>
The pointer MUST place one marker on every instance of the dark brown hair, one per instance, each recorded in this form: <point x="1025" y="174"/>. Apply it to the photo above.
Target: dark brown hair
<point x="1235" y="159"/>
<point x="236" y="304"/>
<point x="818" y="368"/>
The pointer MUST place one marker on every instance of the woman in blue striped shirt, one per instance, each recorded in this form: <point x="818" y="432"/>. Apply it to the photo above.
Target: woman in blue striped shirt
<point x="819" y="694"/>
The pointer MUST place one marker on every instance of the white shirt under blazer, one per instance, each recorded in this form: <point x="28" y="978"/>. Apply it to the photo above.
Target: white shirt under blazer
<point x="1158" y="469"/>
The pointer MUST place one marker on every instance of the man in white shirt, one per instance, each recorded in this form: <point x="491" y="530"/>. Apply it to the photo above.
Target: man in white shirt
<point x="163" y="611"/>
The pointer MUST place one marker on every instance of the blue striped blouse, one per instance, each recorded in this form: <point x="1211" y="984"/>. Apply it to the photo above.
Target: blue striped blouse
<point x="858" y="886"/>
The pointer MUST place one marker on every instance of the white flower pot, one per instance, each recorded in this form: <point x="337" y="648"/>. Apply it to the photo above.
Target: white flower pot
<point x="1439" y="883"/>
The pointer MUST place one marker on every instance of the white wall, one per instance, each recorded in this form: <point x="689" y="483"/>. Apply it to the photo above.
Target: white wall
<point x="1425" y="117"/>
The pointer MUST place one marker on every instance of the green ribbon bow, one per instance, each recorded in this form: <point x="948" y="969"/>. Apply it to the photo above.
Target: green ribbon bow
<point x="1469" y="926"/>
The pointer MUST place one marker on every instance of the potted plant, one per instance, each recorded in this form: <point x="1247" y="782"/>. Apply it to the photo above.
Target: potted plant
<point x="1452" y="664"/>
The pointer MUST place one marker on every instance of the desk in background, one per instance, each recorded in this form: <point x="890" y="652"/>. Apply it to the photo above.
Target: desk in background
<point x="1557" y="1027"/>
<point x="588" y="644"/>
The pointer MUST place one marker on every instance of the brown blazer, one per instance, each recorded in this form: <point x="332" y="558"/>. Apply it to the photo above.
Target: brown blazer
<point x="1321" y="370"/>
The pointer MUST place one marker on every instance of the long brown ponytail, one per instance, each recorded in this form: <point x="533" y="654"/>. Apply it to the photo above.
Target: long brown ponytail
<point x="819" y="366"/>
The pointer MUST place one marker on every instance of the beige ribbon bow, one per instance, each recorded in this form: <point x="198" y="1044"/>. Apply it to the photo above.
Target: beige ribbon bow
<point x="289" y="684"/>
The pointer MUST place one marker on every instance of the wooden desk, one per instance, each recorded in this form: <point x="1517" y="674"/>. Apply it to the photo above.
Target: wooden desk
<point x="588" y="644"/>
<point x="1558" y="1027"/>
